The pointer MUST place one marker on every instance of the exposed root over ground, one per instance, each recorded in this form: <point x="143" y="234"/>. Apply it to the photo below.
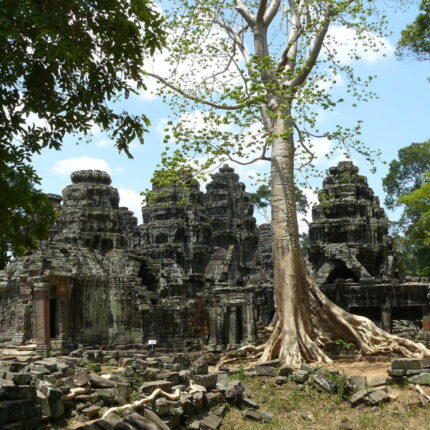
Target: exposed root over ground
<point x="301" y="331"/>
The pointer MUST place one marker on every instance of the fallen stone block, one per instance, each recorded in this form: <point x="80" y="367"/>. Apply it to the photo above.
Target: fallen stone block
<point x="208" y="380"/>
<point x="91" y="411"/>
<point x="97" y="381"/>
<point x="421" y="379"/>
<point x="300" y="376"/>
<point x="265" y="370"/>
<point x="406" y="363"/>
<point x="210" y="422"/>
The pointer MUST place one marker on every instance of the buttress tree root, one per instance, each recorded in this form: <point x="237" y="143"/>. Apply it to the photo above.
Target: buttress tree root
<point x="306" y="319"/>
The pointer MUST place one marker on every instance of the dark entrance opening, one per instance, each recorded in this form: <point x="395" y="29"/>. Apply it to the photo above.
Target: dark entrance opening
<point x="53" y="318"/>
<point x="340" y="271"/>
<point x="239" y="326"/>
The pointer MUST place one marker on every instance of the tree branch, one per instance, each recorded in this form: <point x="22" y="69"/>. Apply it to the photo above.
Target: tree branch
<point x="244" y="12"/>
<point x="194" y="98"/>
<point x="271" y="12"/>
<point x="261" y="11"/>
<point x="311" y="59"/>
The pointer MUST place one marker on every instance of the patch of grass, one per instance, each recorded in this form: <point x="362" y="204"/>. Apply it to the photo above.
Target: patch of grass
<point x="302" y="407"/>
<point x="94" y="367"/>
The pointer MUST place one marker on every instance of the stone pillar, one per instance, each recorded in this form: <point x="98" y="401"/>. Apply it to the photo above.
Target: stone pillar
<point x="212" y="327"/>
<point x="232" y="326"/>
<point x="426" y="320"/>
<point x="219" y="326"/>
<point x="63" y="314"/>
<point x="386" y="320"/>
<point x="42" y="315"/>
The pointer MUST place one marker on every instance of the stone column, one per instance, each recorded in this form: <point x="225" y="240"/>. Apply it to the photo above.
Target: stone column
<point x="426" y="320"/>
<point x="232" y="326"/>
<point x="212" y="327"/>
<point x="63" y="315"/>
<point x="42" y="315"/>
<point x="248" y="324"/>
<point x="386" y="320"/>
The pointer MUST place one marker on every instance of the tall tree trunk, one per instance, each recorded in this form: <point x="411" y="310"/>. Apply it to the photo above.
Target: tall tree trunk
<point x="305" y="319"/>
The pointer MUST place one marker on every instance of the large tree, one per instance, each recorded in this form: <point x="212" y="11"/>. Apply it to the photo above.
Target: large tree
<point x="63" y="64"/>
<point x="247" y="81"/>
<point x="407" y="179"/>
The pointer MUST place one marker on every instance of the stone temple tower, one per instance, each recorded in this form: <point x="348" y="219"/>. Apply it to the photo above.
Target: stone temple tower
<point x="90" y="216"/>
<point x="349" y="232"/>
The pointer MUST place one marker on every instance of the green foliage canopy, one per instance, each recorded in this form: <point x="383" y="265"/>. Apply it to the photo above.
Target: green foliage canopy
<point x="407" y="185"/>
<point x="415" y="39"/>
<point x="63" y="65"/>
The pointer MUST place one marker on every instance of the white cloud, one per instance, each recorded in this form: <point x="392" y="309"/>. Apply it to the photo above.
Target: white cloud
<point x="69" y="165"/>
<point x="370" y="47"/>
<point x="104" y="142"/>
<point x="132" y="200"/>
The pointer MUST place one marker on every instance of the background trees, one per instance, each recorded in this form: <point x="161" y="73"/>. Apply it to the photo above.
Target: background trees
<point x="62" y="66"/>
<point x="415" y="40"/>
<point x="406" y="185"/>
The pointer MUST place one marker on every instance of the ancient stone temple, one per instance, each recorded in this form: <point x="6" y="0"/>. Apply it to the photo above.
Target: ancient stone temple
<point x="352" y="254"/>
<point x="188" y="277"/>
<point x="349" y="230"/>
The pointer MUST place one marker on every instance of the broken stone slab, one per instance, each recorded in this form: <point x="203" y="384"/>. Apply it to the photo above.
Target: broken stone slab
<point x="308" y="368"/>
<point x="406" y="363"/>
<point x="265" y="370"/>
<point x="249" y="403"/>
<point x="377" y="397"/>
<point x="98" y="381"/>
<point x="139" y="422"/>
<point x="91" y="411"/>
<point x="208" y="380"/>
<point x="49" y="390"/>
<point x="258" y="416"/>
<point x="359" y="382"/>
<point x="421" y="379"/>
<point x="210" y="422"/>
<point x="49" y="364"/>
<point x="368" y="396"/>
<point x="221" y="410"/>
<point x="152" y="416"/>
<point x="300" y="376"/>
<point x="107" y="395"/>
<point x="18" y="378"/>
<point x="149" y="387"/>
<point x="323" y="382"/>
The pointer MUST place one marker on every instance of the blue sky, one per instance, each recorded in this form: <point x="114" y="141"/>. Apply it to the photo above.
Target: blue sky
<point x="400" y="116"/>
